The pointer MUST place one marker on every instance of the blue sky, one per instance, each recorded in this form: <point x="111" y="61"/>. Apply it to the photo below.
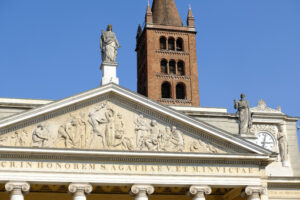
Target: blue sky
<point x="50" y="49"/>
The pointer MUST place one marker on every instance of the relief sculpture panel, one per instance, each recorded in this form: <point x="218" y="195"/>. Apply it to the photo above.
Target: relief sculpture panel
<point x="151" y="137"/>
<point x="73" y="133"/>
<point x="108" y="130"/>
<point x="108" y="126"/>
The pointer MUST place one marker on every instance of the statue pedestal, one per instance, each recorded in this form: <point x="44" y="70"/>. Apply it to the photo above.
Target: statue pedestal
<point x="109" y="73"/>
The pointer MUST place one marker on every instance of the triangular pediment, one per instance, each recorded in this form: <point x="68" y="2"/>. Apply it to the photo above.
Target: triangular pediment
<point x="113" y="118"/>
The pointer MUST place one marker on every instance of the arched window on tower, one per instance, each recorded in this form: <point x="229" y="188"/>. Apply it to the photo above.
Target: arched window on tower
<point x="179" y="44"/>
<point x="180" y="68"/>
<point x="166" y="90"/>
<point x="164" y="66"/>
<point x="163" y="43"/>
<point x="180" y="91"/>
<point x="172" y="67"/>
<point x="171" y="44"/>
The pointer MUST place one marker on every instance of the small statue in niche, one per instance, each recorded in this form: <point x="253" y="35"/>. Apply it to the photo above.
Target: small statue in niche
<point x="244" y="115"/>
<point x="109" y="45"/>
<point x="283" y="145"/>
<point x="40" y="136"/>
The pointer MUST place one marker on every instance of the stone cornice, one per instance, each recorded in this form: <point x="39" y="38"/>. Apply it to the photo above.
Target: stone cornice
<point x="123" y="156"/>
<point x="286" y="181"/>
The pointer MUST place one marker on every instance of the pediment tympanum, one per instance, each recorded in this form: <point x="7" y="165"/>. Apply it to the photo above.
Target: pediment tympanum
<point x="109" y="122"/>
<point x="107" y="126"/>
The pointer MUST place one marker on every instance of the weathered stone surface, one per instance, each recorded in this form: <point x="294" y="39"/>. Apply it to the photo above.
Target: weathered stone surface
<point x="107" y="125"/>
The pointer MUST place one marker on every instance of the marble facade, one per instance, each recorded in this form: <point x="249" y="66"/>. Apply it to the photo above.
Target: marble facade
<point x="112" y="138"/>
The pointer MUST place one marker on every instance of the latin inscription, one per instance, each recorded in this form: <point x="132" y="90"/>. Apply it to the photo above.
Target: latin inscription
<point x="284" y="192"/>
<point x="104" y="168"/>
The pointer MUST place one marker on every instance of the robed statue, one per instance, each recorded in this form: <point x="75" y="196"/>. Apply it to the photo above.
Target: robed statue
<point x="109" y="45"/>
<point x="283" y="145"/>
<point x="244" y="115"/>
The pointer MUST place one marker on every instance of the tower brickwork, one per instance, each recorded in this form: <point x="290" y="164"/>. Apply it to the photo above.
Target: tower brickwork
<point x="166" y="56"/>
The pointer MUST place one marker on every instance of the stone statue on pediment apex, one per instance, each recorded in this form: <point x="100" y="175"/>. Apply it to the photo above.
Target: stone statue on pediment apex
<point x="109" y="45"/>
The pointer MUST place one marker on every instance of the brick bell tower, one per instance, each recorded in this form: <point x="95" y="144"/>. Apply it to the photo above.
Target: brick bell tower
<point x="166" y="56"/>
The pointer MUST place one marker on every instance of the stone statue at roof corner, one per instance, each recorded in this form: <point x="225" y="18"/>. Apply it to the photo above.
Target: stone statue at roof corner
<point x="244" y="115"/>
<point x="109" y="45"/>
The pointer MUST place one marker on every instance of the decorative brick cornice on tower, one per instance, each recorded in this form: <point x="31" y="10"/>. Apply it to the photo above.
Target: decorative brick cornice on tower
<point x="165" y="13"/>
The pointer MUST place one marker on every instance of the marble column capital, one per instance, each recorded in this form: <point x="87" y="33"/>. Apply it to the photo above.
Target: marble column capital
<point x="17" y="187"/>
<point x="199" y="189"/>
<point x="80" y="189"/>
<point x="251" y="190"/>
<point x="142" y="190"/>
<point x="254" y="192"/>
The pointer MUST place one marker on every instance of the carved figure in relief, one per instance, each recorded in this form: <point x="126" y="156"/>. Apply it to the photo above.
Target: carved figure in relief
<point x="16" y="139"/>
<point x="3" y="140"/>
<point x="108" y="125"/>
<point x="141" y="130"/>
<point x="124" y="142"/>
<point x="151" y="140"/>
<point x="21" y="138"/>
<point x="243" y="114"/>
<point x="109" y="45"/>
<point x="283" y="145"/>
<point x="177" y="140"/>
<point x="72" y="134"/>
<point x="165" y="138"/>
<point x="195" y="146"/>
<point x="199" y="146"/>
<point x="40" y="136"/>
<point x="97" y="120"/>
